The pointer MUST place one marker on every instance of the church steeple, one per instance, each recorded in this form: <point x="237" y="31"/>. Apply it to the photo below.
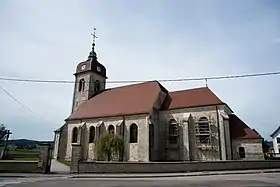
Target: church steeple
<point x="92" y="54"/>
<point x="90" y="78"/>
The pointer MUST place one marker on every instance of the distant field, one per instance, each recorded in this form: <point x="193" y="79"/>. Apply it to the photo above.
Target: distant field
<point x="23" y="154"/>
<point x="26" y="159"/>
<point x="23" y="151"/>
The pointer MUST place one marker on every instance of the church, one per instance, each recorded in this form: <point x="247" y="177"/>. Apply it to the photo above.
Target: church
<point x="155" y="124"/>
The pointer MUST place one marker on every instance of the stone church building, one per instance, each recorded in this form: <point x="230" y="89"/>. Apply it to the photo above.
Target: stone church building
<point x="155" y="124"/>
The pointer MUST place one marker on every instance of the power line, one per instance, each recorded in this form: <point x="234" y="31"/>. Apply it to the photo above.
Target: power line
<point x="23" y="105"/>
<point x="137" y="81"/>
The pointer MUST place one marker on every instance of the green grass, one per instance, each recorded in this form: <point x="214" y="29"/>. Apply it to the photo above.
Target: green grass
<point x="26" y="159"/>
<point x="22" y="151"/>
<point x="66" y="162"/>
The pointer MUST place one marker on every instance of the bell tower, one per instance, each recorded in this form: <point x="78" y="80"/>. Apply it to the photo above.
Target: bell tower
<point x="90" y="78"/>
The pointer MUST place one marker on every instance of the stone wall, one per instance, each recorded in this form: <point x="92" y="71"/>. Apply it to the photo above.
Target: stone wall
<point x="168" y="167"/>
<point x="63" y="139"/>
<point x="132" y="152"/>
<point x="218" y="132"/>
<point x="18" y="166"/>
<point x="253" y="149"/>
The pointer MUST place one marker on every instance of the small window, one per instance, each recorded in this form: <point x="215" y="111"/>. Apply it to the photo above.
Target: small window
<point x="241" y="152"/>
<point x="97" y="86"/>
<point x="75" y="135"/>
<point x="133" y="130"/>
<point x="91" y="134"/>
<point x="111" y="129"/>
<point x="98" y="69"/>
<point x="81" y="85"/>
<point x="278" y="140"/>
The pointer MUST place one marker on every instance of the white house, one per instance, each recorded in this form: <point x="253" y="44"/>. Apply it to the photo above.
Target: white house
<point x="276" y="140"/>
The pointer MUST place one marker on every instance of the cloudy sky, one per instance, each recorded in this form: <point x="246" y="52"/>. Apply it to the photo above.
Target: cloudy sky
<point x="146" y="40"/>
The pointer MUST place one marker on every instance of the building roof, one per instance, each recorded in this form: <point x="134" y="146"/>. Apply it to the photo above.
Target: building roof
<point x="193" y="98"/>
<point x="277" y="130"/>
<point x="125" y="100"/>
<point x="140" y="99"/>
<point x="239" y="130"/>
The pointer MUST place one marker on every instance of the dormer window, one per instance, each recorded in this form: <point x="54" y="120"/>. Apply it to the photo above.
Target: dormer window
<point x="98" y="69"/>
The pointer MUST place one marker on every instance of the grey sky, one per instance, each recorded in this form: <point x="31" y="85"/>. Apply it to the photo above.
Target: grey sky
<point x="145" y="39"/>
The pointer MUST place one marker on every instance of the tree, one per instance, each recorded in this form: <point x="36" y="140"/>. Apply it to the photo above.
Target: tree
<point x="3" y="132"/>
<point x="109" y="146"/>
<point x="4" y="136"/>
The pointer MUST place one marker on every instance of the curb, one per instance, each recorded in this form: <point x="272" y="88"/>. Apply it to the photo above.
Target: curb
<point x="150" y="175"/>
<point x="98" y="176"/>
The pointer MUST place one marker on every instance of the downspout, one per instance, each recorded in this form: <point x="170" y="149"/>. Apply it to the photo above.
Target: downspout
<point x="123" y="137"/>
<point x="218" y="124"/>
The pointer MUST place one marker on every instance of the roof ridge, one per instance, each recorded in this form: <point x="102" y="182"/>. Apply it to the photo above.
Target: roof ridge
<point x="197" y="88"/>
<point x="132" y="84"/>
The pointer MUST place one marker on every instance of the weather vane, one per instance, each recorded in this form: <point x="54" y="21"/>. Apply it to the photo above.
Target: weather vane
<point x="93" y="35"/>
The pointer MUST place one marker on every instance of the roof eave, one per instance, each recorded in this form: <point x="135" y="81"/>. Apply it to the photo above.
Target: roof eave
<point x="193" y="106"/>
<point x="272" y="135"/>
<point x="106" y="116"/>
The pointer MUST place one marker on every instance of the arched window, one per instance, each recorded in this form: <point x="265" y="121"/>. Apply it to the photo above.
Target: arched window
<point x="203" y="131"/>
<point x="111" y="129"/>
<point x="173" y="131"/>
<point x="97" y="86"/>
<point x="75" y="135"/>
<point x="133" y="130"/>
<point x="91" y="134"/>
<point x="241" y="152"/>
<point x="81" y="85"/>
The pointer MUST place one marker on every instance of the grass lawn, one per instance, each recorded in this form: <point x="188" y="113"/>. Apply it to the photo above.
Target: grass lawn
<point x="66" y="162"/>
<point x="26" y="159"/>
<point x="23" y="151"/>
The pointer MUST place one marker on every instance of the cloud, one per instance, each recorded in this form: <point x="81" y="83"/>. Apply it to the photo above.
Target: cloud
<point x="138" y="40"/>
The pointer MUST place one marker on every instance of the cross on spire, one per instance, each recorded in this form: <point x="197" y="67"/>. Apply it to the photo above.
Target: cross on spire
<point x="92" y="54"/>
<point x="93" y="35"/>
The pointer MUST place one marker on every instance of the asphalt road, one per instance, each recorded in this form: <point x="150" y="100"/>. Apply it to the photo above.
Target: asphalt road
<point x="245" y="180"/>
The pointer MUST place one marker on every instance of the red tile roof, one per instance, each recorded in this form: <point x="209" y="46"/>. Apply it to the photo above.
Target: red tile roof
<point x="125" y="100"/>
<point x="193" y="98"/>
<point x="140" y="99"/>
<point x="239" y="130"/>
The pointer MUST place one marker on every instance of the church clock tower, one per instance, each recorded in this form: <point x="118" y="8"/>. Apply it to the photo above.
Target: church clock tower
<point x="90" y="78"/>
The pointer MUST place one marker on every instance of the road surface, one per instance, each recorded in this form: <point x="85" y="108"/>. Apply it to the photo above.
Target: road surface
<point x="245" y="180"/>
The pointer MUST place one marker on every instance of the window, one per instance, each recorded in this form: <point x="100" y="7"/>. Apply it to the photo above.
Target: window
<point x="91" y="134"/>
<point x="203" y="130"/>
<point x="81" y="85"/>
<point x="241" y="152"/>
<point x="173" y="131"/>
<point x="98" y="69"/>
<point x="111" y="129"/>
<point x="97" y="86"/>
<point x="75" y="135"/>
<point x="133" y="130"/>
<point x="278" y="140"/>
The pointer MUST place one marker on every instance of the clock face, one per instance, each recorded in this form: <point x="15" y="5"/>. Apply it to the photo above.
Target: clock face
<point x="83" y="67"/>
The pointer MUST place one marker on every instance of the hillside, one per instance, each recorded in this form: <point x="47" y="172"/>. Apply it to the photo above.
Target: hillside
<point x="24" y="143"/>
